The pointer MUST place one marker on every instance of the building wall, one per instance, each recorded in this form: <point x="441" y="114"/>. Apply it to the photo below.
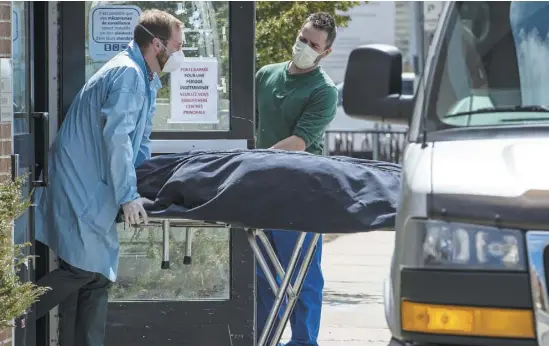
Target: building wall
<point x="403" y="28"/>
<point x="6" y="96"/>
<point x="371" y="22"/>
<point x="6" y="114"/>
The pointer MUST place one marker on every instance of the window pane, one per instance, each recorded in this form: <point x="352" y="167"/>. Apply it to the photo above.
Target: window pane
<point x="493" y="56"/>
<point x="408" y="87"/>
<point x="206" y="30"/>
<point x="20" y="69"/>
<point x="140" y="276"/>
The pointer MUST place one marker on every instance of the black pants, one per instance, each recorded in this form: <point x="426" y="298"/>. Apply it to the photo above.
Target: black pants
<point x="83" y="300"/>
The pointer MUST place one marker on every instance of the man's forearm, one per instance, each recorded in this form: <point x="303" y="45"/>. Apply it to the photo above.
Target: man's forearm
<point x="292" y="143"/>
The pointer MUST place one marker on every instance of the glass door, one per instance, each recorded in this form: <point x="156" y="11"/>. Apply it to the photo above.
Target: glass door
<point x="207" y="296"/>
<point x="28" y="136"/>
<point x="23" y="145"/>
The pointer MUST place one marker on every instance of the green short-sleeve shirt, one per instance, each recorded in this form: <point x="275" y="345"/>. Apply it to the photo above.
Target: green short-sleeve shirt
<point x="302" y="105"/>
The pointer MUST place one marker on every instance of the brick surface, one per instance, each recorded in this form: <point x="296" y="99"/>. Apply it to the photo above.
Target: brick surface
<point x="5" y="29"/>
<point x="5" y="164"/>
<point x="5" y="150"/>
<point x="5" y="147"/>
<point x="5" y="47"/>
<point x="5" y="130"/>
<point x="5" y="10"/>
<point x="5" y="177"/>
<point x="5" y="337"/>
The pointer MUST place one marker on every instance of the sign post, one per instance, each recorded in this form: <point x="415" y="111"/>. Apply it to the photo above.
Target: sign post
<point x="111" y="29"/>
<point x="193" y="92"/>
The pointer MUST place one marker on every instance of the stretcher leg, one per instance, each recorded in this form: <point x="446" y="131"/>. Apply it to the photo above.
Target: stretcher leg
<point x="165" y="244"/>
<point x="188" y="241"/>
<point x="285" y="287"/>
<point x="261" y="260"/>
<point x="292" y="297"/>
<point x="274" y="259"/>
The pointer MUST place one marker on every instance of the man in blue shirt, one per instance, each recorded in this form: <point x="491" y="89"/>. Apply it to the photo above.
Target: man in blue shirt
<point x="105" y="135"/>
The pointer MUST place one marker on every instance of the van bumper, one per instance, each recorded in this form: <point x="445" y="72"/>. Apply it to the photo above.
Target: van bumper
<point x="509" y="290"/>
<point x="395" y="342"/>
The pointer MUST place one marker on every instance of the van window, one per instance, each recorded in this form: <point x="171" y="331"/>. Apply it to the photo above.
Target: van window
<point x="494" y="55"/>
<point x="407" y="87"/>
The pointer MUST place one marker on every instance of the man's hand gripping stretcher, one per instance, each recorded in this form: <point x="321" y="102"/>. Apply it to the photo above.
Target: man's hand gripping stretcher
<point x="135" y="211"/>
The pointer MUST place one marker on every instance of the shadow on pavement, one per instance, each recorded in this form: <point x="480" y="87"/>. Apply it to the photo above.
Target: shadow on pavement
<point x="339" y="298"/>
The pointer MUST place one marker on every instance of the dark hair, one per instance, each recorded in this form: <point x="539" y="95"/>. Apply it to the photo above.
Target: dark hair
<point x="325" y="22"/>
<point x="159" y="23"/>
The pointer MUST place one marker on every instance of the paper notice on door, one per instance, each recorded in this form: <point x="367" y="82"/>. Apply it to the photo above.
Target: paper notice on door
<point x="193" y="92"/>
<point x="111" y="29"/>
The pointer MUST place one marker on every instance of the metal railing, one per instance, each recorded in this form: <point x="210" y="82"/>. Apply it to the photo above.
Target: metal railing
<point x="382" y="144"/>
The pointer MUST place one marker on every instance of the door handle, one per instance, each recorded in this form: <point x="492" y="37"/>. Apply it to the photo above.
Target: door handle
<point x="14" y="167"/>
<point x="44" y="118"/>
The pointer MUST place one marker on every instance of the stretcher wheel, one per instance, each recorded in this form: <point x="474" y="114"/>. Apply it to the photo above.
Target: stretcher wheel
<point x="187" y="260"/>
<point x="165" y="265"/>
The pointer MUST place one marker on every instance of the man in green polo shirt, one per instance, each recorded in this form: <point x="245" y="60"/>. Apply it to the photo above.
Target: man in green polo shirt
<point x="296" y="100"/>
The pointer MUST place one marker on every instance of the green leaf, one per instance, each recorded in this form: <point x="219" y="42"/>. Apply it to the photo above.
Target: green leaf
<point x="16" y="296"/>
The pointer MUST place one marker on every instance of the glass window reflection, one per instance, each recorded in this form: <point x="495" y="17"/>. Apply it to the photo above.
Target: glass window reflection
<point x="206" y="36"/>
<point x="20" y="70"/>
<point x="140" y="277"/>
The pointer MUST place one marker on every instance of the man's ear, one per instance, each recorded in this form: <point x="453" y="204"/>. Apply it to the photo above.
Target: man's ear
<point x="157" y="46"/>
<point x="327" y="52"/>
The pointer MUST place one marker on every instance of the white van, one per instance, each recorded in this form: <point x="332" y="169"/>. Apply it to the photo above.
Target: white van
<point x="471" y="258"/>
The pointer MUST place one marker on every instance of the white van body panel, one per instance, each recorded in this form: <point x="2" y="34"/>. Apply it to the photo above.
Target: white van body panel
<point x="416" y="184"/>
<point x="496" y="167"/>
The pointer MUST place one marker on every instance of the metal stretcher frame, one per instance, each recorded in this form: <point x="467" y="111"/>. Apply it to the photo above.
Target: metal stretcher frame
<point x="285" y="290"/>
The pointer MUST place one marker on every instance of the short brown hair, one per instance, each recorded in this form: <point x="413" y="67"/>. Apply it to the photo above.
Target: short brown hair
<point x="325" y="22"/>
<point x="159" y="23"/>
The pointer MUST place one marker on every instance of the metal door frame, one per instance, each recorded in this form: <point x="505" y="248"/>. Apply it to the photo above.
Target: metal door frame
<point x="46" y="86"/>
<point x="37" y="93"/>
<point x="225" y="322"/>
<point x="24" y="155"/>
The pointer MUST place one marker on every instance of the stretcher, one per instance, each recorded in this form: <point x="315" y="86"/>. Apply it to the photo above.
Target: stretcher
<point x="286" y="290"/>
<point x="255" y="190"/>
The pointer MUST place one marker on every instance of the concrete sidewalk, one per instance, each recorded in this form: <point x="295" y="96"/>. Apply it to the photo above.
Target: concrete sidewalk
<point x="354" y="269"/>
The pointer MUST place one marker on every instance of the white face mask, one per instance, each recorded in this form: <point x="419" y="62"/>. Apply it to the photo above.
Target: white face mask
<point x="174" y="62"/>
<point x="303" y="56"/>
<point x="174" y="59"/>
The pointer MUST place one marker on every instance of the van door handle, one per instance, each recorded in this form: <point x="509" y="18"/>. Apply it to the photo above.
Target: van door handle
<point x="44" y="118"/>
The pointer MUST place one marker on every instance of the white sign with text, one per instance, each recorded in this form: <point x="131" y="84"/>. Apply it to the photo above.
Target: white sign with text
<point x="193" y="92"/>
<point x="110" y="29"/>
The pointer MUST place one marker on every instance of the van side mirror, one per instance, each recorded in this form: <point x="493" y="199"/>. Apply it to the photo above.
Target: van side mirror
<point x="372" y="89"/>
